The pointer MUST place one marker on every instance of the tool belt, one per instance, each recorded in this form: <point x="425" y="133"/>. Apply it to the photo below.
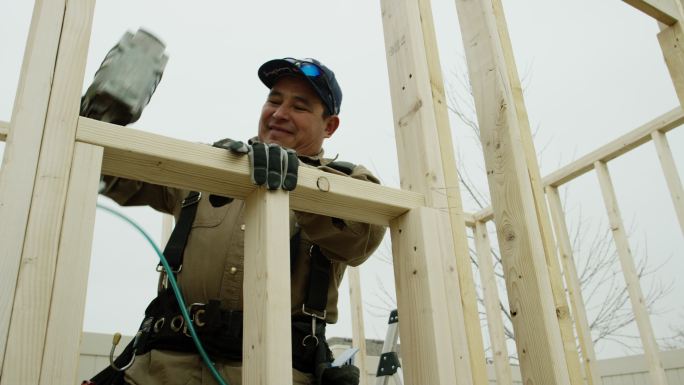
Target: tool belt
<point x="220" y="331"/>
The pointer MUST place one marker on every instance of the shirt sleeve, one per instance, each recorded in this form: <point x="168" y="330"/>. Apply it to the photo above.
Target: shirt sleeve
<point x="127" y="192"/>
<point x="342" y="240"/>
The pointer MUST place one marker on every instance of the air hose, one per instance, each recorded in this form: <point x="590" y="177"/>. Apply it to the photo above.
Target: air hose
<point x="176" y="291"/>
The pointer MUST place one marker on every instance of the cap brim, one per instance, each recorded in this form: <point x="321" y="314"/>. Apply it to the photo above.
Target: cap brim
<point x="271" y="71"/>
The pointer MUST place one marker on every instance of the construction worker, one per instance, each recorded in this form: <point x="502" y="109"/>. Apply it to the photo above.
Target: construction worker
<point x="301" y="111"/>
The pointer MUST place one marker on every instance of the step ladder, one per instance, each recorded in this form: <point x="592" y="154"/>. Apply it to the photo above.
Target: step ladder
<point x="389" y="365"/>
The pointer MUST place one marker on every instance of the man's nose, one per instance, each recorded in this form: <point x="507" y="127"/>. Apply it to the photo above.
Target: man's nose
<point x="282" y="112"/>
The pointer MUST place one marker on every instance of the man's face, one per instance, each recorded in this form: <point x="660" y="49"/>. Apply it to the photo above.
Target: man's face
<point x="293" y="117"/>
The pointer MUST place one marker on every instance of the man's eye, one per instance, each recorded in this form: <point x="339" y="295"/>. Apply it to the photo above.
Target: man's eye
<point x="301" y="108"/>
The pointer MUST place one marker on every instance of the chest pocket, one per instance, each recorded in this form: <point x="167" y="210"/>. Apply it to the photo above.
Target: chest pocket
<point x="209" y="216"/>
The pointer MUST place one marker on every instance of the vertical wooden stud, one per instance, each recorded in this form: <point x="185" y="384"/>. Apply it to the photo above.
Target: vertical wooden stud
<point x="655" y="366"/>
<point x="422" y="304"/>
<point x="674" y="184"/>
<point x="63" y="339"/>
<point x="671" y="39"/>
<point x="559" y="297"/>
<point x="518" y="217"/>
<point x="267" y="344"/>
<point x="34" y="285"/>
<point x="23" y="146"/>
<point x="491" y="302"/>
<point x="466" y="283"/>
<point x="358" y="335"/>
<point x="420" y="161"/>
<point x="574" y="288"/>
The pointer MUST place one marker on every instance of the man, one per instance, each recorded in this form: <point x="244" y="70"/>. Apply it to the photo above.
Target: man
<point x="300" y="112"/>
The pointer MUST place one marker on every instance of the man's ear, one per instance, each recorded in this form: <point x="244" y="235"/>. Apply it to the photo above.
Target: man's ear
<point x="331" y="124"/>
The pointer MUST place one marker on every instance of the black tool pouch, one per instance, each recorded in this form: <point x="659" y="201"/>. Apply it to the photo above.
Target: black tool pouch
<point x="220" y="331"/>
<point x="328" y="375"/>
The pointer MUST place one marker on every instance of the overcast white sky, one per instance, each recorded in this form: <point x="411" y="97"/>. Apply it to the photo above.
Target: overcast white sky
<point x="593" y="71"/>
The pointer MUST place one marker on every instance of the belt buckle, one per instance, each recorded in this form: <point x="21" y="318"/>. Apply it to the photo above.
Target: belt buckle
<point x="191" y="200"/>
<point x="313" y="315"/>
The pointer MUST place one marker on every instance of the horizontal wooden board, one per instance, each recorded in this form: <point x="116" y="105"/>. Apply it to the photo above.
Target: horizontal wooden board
<point x="665" y="11"/>
<point x="172" y="162"/>
<point x="617" y="147"/>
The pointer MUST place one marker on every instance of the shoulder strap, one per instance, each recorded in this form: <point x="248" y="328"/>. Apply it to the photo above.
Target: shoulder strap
<point x="179" y="236"/>
<point x="342" y="166"/>
<point x="319" y="280"/>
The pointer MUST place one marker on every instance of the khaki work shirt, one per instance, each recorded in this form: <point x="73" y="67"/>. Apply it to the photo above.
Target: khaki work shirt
<point x="213" y="259"/>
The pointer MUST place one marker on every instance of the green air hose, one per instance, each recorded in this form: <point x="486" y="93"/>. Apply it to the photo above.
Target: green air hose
<point x="176" y="291"/>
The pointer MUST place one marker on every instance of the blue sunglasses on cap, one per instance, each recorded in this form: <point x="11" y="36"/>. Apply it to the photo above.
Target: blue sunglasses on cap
<point x="312" y="71"/>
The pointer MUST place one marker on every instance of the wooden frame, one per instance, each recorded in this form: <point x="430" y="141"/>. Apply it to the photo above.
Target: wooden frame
<point x="665" y="11"/>
<point x="490" y="292"/>
<point x="631" y="277"/>
<point x="267" y="341"/>
<point x="51" y="208"/>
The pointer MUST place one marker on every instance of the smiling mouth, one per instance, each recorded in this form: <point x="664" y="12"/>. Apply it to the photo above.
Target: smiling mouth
<point x="280" y="130"/>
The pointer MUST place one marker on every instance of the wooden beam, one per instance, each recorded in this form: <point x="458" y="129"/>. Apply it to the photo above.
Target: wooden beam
<point x="415" y="90"/>
<point x="674" y="184"/>
<point x="461" y="255"/>
<point x="656" y="371"/>
<point x="427" y="355"/>
<point x="556" y="279"/>
<point x="615" y="148"/>
<point x="490" y="293"/>
<point x="23" y="147"/>
<point x="267" y="341"/>
<point x="538" y="338"/>
<point x="609" y="151"/>
<point x="34" y="285"/>
<point x="670" y="40"/>
<point x="63" y="339"/>
<point x="358" y="335"/>
<point x="4" y="129"/>
<point x="574" y="288"/>
<point x="158" y="159"/>
<point x="665" y="11"/>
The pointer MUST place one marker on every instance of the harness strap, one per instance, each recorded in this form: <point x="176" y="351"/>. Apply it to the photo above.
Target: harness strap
<point x="175" y="247"/>
<point x="319" y="280"/>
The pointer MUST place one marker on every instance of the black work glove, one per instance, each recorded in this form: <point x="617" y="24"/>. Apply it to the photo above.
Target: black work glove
<point x="269" y="164"/>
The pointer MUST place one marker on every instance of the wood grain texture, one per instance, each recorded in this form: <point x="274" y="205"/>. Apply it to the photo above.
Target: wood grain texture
<point x="30" y="311"/>
<point x="490" y="293"/>
<point x="426" y="353"/>
<point x="665" y="11"/>
<point x="461" y="255"/>
<point x="20" y="158"/>
<point x="538" y="338"/>
<point x="574" y="288"/>
<point x="267" y="341"/>
<point x="674" y="183"/>
<point x="671" y="41"/>
<point x="557" y="289"/>
<point x="62" y="342"/>
<point x="414" y="89"/>
<point x="358" y="334"/>
<point x="636" y="297"/>
<point x="158" y="159"/>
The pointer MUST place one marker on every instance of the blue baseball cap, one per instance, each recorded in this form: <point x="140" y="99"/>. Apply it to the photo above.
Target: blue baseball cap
<point x="321" y="78"/>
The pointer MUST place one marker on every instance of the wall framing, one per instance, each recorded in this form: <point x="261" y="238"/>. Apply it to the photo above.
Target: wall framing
<point x="43" y="189"/>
